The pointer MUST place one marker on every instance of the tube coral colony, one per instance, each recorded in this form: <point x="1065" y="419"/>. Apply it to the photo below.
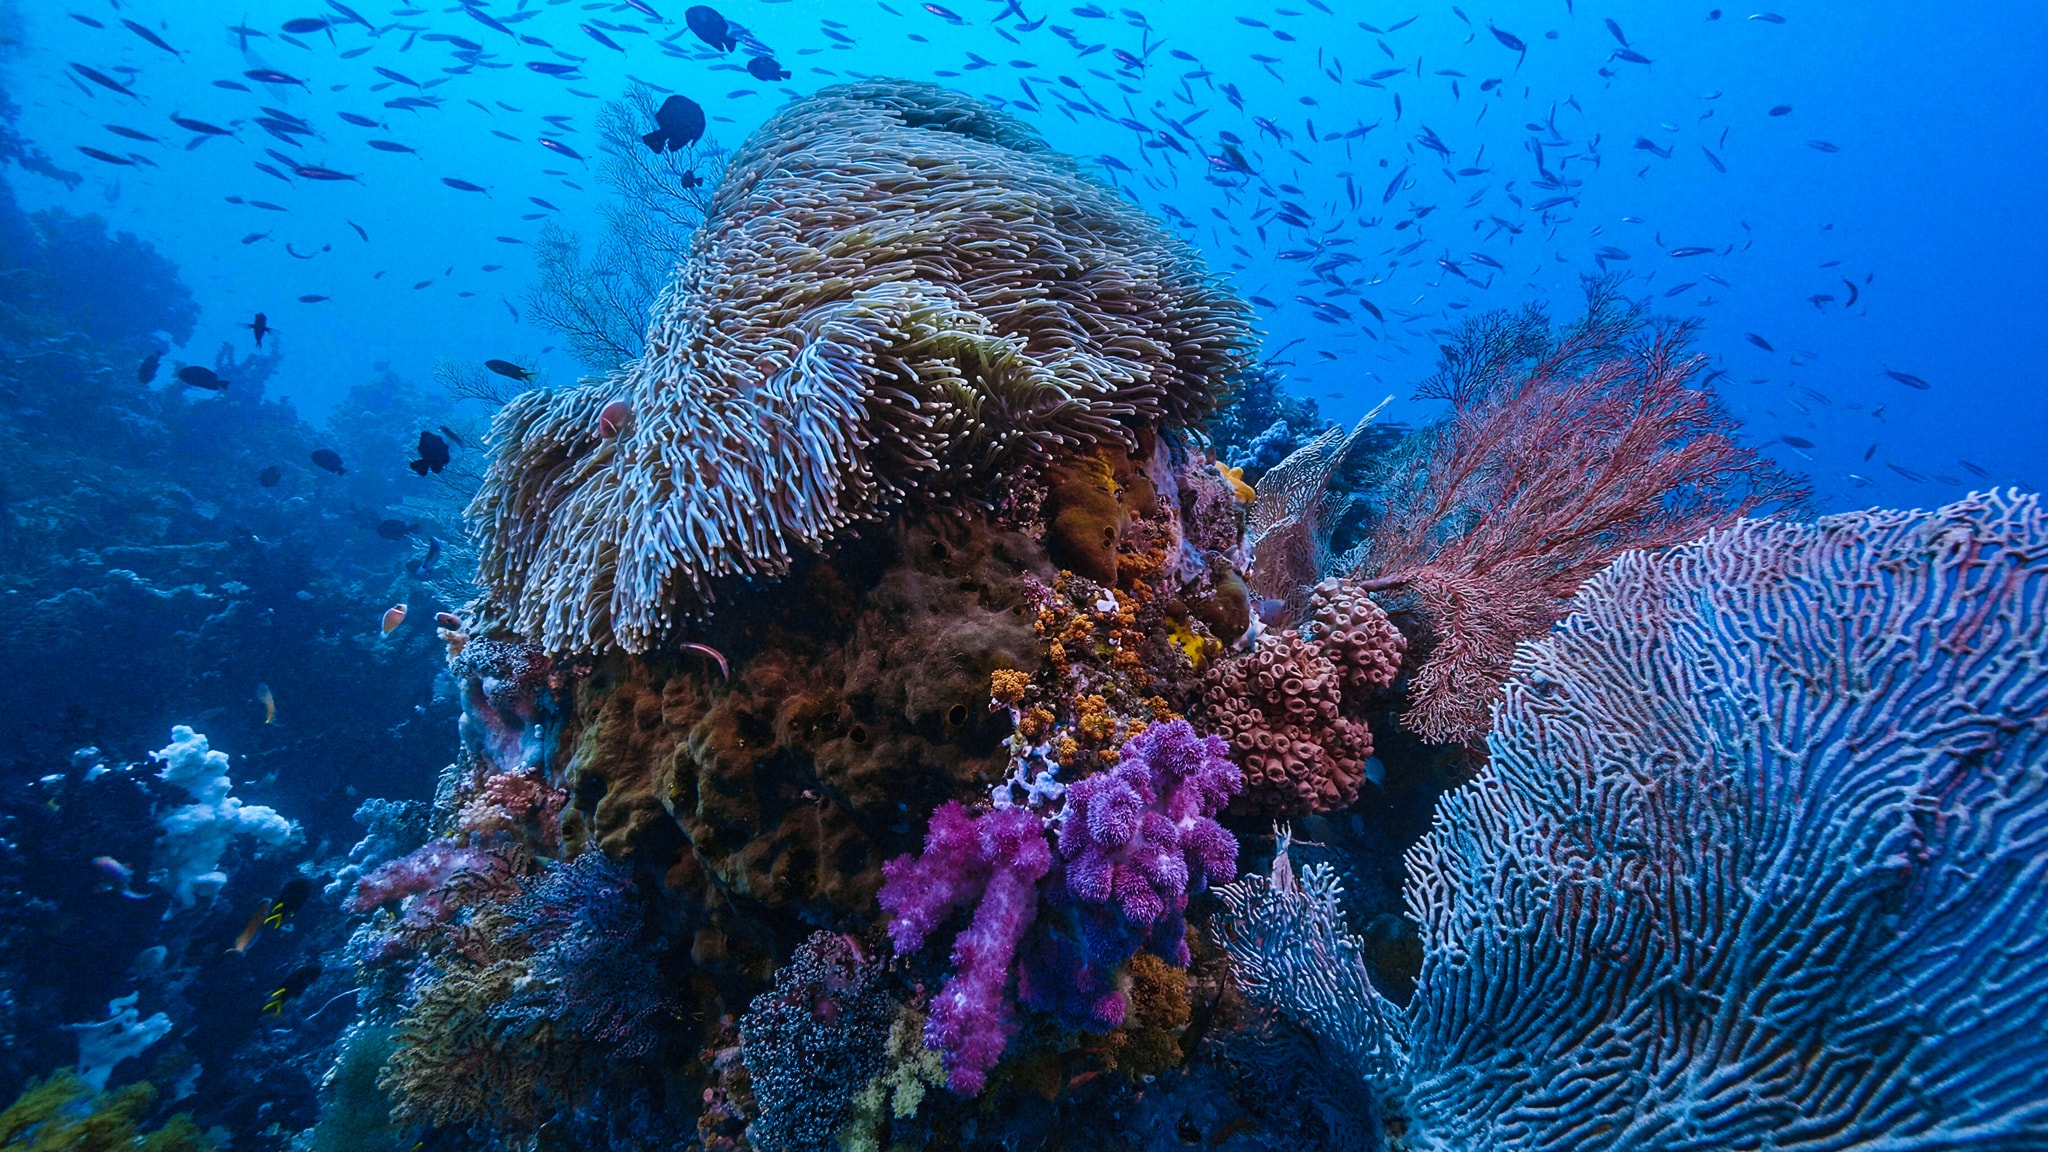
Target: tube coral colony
<point x="943" y="693"/>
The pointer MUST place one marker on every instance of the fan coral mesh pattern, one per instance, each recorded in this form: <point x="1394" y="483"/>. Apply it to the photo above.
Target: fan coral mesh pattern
<point x="1761" y="856"/>
<point x="898" y="291"/>
<point x="1292" y="951"/>
<point x="1287" y="534"/>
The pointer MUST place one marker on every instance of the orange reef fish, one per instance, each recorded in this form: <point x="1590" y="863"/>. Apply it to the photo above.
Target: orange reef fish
<point x="393" y="617"/>
<point x="252" y="929"/>
<point x="269" y="703"/>
<point x="116" y="877"/>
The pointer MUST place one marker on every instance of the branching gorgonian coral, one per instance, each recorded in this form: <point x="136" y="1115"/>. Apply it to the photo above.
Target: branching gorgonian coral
<point x="897" y="292"/>
<point x="1757" y="860"/>
<point x="1562" y="450"/>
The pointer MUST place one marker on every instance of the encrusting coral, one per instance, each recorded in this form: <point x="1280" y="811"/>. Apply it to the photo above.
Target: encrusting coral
<point x="898" y="291"/>
<point x="1290" y="707"/>
<point x="65" y="1114"/>
<point x="1754" y="861"/>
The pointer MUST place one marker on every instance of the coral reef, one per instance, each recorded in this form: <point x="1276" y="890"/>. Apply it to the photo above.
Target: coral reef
<point x="533" y="1003"/>
<point x="1562" y="450"/>
<point x="992" y="864"/>
<point x="813" y="1040"/>
<point x="123" y="1035"/>
<point x="1750" y="862"/>
<point x="897" y="292"/>
<point x="1288" y="534"/>
<point x="64" y="1113"/>
<point x="195" y="835"/>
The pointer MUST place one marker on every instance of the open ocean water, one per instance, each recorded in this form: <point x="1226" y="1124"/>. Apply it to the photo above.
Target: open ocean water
<point x="269" y="270"/>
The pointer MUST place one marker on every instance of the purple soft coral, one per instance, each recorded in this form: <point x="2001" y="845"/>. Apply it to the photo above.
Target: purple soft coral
<point x="425" y="870"/>
<point x="1134" y="842"/>
<point x="994" y="862"/>
<point x="1140" y="836"/>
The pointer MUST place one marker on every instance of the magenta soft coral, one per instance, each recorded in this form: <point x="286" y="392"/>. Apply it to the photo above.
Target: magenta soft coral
<point x="425" y="870"/>
<point x="993" y="863"/>
<point x="1140" y="837"/>
<point x="1134" y="842"/>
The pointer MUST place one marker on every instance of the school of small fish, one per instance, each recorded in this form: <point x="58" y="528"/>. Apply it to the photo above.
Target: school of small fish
<point x="1351" y="214"/>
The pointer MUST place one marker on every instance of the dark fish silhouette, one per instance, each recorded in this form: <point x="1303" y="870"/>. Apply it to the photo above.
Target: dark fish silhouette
<point x="147" y="370"/>
<point x="273" y="76"/>
<point x="199" y="126"/>
<point x="152" y="37"/>
<point x="424" y="566"/>
<point x="433" y="454"/>
<point x="103" y="80"/>
<point x="710" y="27"/>
<point x="199" y="377"/>
<point x="104" y="157"/>
<point x="678" y="124"/>
<point x="270" y="476"/>
<point x="301" y="978"/>
<point x="508" y="370"/>
<point x="327" y="459"/>
<point x="393" y="529"/>
<point x="765" y="68"/>
<point x="260" y="327"/>
<point x="290" y="899"/>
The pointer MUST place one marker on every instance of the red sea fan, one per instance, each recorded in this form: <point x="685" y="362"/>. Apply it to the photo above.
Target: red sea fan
<point x="1561" y="451"/>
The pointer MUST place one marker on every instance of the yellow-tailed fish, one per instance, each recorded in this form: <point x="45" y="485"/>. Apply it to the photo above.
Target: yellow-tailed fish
<point x="301" y="978"/>
<point x="289" y="900"/>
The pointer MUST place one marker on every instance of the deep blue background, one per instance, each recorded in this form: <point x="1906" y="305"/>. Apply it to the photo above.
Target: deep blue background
<point x="1933" y="194"/>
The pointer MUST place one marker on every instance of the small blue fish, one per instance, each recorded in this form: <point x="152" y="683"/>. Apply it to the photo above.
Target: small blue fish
<point x="273" y="76"/>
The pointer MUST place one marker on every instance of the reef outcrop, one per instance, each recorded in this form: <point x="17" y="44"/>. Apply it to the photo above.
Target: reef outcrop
<point x="899" y="294"/>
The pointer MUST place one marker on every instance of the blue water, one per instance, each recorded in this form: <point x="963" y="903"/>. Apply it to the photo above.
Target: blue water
<point x="1923" y="205"/>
